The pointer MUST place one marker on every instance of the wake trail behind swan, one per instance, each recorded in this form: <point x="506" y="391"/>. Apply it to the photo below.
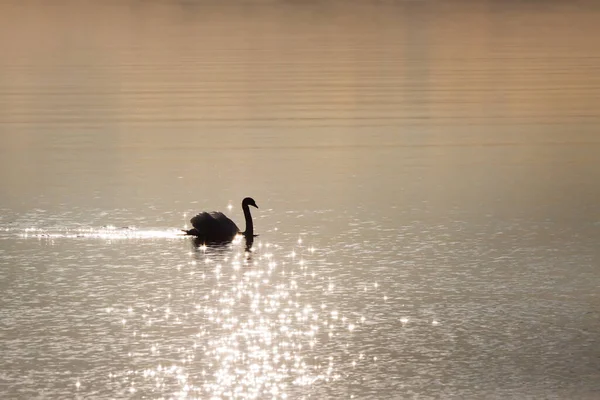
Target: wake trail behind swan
<point x="105" y="232"/>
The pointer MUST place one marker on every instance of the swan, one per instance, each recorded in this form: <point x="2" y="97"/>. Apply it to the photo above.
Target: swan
<point x="215" y="227"/>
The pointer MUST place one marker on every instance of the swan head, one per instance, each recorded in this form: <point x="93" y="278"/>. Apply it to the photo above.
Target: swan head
<point x="249" y="201"/>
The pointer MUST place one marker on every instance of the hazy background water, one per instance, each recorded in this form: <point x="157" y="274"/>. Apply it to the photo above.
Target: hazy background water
<point x="427" y="175"/>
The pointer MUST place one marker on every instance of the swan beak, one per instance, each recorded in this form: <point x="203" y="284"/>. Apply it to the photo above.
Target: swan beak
<point x="255" y="205"/>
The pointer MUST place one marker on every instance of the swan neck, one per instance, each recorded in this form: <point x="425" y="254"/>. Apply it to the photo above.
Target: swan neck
<point x="249" y="226"/>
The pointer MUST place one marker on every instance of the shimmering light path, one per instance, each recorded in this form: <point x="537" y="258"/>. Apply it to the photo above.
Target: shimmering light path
<point x="251" y="330"/>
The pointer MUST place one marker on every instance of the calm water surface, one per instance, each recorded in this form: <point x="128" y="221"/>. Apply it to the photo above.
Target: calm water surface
<point x="427" y="175"/>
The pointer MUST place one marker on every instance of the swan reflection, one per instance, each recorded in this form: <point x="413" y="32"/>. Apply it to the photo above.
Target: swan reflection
<point x="200" y="244"/>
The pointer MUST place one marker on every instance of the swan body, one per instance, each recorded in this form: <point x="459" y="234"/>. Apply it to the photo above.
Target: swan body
<point x="215" y="227"/>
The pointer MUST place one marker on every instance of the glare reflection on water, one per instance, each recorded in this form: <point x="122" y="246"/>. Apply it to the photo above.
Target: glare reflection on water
<point x="251" y="330"/>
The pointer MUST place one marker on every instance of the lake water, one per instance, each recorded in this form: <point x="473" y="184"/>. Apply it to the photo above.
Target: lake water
<point x="427" y="172"/>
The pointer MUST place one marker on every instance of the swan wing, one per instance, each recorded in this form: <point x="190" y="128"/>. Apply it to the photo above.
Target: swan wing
<point x="202" y="222"/>
<point x="225" y="223"/>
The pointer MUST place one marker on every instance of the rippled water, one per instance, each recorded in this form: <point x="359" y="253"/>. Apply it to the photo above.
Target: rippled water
<point x="427" y="176"/>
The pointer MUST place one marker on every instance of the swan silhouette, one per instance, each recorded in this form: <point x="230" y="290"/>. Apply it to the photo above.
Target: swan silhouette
<point x="215" y="227"/>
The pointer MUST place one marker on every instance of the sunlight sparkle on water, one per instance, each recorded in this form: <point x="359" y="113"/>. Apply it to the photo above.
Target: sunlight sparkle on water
<point x="254" y="328"/>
